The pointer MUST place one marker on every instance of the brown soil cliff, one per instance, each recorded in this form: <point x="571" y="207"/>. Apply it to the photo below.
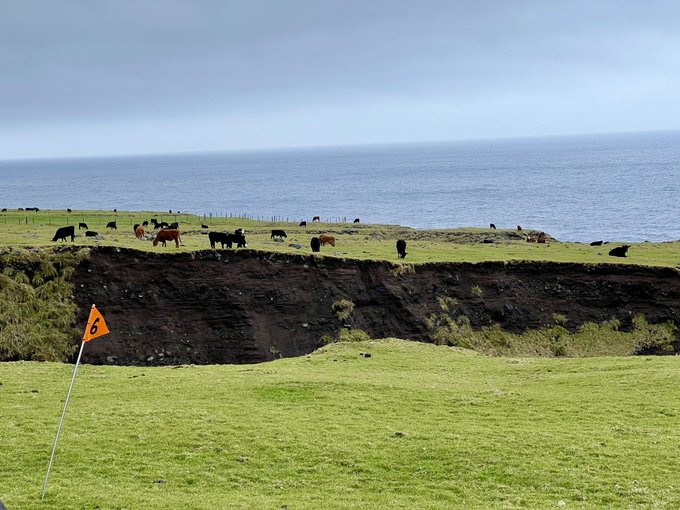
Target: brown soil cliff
<point x="247" y="306"/>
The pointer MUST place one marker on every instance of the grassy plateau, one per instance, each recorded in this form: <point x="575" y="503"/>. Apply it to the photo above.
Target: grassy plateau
<point x="358" y="241"/>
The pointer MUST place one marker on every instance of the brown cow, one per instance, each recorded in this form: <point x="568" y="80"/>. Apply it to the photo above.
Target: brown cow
<point x="324" y="239"/>
<point x="139" y="231"/>
<point x="167" y="235"/>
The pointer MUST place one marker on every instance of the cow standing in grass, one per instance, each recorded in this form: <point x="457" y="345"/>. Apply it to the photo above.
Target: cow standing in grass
<point x="167" y="235"/>
<point x="64" y="232"/>
<point x="401" y="249"/>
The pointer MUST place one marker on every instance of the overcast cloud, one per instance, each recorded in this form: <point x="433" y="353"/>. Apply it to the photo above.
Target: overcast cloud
<point x="112" y="77"/>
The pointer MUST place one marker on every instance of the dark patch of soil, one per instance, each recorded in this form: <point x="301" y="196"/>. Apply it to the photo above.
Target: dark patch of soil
<point x="248" y="306"/>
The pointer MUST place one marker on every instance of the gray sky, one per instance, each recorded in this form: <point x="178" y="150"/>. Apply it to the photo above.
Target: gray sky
<point x="85" y="77"/>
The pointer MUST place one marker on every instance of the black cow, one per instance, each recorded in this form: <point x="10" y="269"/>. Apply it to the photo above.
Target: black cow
<point x="145" y="223"/>
<point x="115" y="210"/>
<point x="218" y="237"/>
<point x="82" y="225"/>
<point x="240" y="231"/>
<point x="519" y="228"/>
<point x="162" y="224"/>
<point x="316" y="218"/>
<point x="32" y="209"/>
<point x="112" y="225"/>
<point x="228" y="239"/>
<point x="356" y="220"/>
<point x="91" y="233"/>
<point x="401" y="249"/>
<point x="238" y="239"/>
<point x="491" y="225"/>
<point x="64" y="232"/>
<point x="278" y="233"/>
<point x="303" y="224"/>
<point x="205" y="226"/>
<point x="68" y="210"/>
<point x="315" y="244"/>
<point x="174" y="226"/>
<point x="619" y="251"/>
<point x="596" y="243"/>
<point x="4" y="209"/>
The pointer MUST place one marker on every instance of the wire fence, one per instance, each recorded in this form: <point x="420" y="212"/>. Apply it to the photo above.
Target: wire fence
<point x="130" y="218"/>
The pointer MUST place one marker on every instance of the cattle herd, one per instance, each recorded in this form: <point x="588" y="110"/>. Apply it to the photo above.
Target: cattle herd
<point x="170" y="232"/>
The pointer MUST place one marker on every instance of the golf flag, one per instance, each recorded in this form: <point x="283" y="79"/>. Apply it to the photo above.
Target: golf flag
<point x="96" y="326"/>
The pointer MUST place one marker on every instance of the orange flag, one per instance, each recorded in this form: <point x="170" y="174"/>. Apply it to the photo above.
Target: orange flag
<point x="96" y="326"/>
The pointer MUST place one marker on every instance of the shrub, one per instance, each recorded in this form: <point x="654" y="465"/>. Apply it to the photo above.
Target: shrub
<point x="446" y="303"/>
<point x="37" y="315"/>
<point x="560" y="319"/>
<point x="343" y="309"/>
<point x="347" y="335"/>
<point x="402" y="269"/>
<point x="477" y="291"/>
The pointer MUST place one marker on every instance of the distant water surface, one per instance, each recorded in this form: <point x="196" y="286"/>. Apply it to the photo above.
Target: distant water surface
<point x="622" y="187"/>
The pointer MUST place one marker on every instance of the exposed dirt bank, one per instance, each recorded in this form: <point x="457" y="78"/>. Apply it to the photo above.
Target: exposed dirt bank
<point x="246" y="306"/>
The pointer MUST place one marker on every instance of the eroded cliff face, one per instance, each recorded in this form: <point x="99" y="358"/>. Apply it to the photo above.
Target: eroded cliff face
<point x="246" y="306"/>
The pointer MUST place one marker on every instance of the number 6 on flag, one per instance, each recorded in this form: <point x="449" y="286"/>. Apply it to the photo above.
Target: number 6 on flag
<point x="96" y="326"/>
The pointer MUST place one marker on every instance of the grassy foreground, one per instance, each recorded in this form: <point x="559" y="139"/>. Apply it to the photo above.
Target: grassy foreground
<point x="361" y="241"/>
<point x="414" y="426"/>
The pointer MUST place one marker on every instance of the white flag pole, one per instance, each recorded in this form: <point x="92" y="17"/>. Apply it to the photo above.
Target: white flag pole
<point x="61" y="421"/>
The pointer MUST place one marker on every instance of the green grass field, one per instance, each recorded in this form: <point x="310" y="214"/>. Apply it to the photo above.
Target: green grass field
<point x="375" y="242"/>
<point x="414" y="426"/>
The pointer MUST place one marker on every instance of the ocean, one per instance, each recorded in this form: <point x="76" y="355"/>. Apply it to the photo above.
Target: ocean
<point x="620" y="187"/>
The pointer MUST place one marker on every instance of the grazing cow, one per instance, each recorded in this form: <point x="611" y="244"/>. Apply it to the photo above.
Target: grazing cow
<point x="32" y="209"/>
<point x="167" y="235"/>
<point x="303" y="224"/>
<point x="134" y="227"/>
<point x="619" y="251"/>
<point x="112" y="225"/>
<point x="82" y="225"/>
<point x="205" y="226"/>
<point x="316" y="218"/>
<point x="228" y="239"/>
<point x="64" y="232"/>
<point x="325" y="239"/>
<point x="4" y="209"/>
<point x="162" y="224"/>
<point x="240" y="231"/>
<point x="401" y="249"/>
<point x="596" y="243"/>
<point x="68" y="210"/>
<point x="278" y="233"/>
<point x="145" y="223"/>
<point x="115" y="210"/>
<point x="139" y="232"/>
<point x="174" y="226"/>
<point x="315" y="244"/>
<point x="91" y="233"/>
<point x="218" y="237"/>
<point x="356" y="220"/>
<point x="154" y="221"/>
<point x="541" y="238"/>
<point x="170" y="211"/>
<point x="519" y="228"/>
<point x="491" y="225"/>
<point x="238" y="239"/>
